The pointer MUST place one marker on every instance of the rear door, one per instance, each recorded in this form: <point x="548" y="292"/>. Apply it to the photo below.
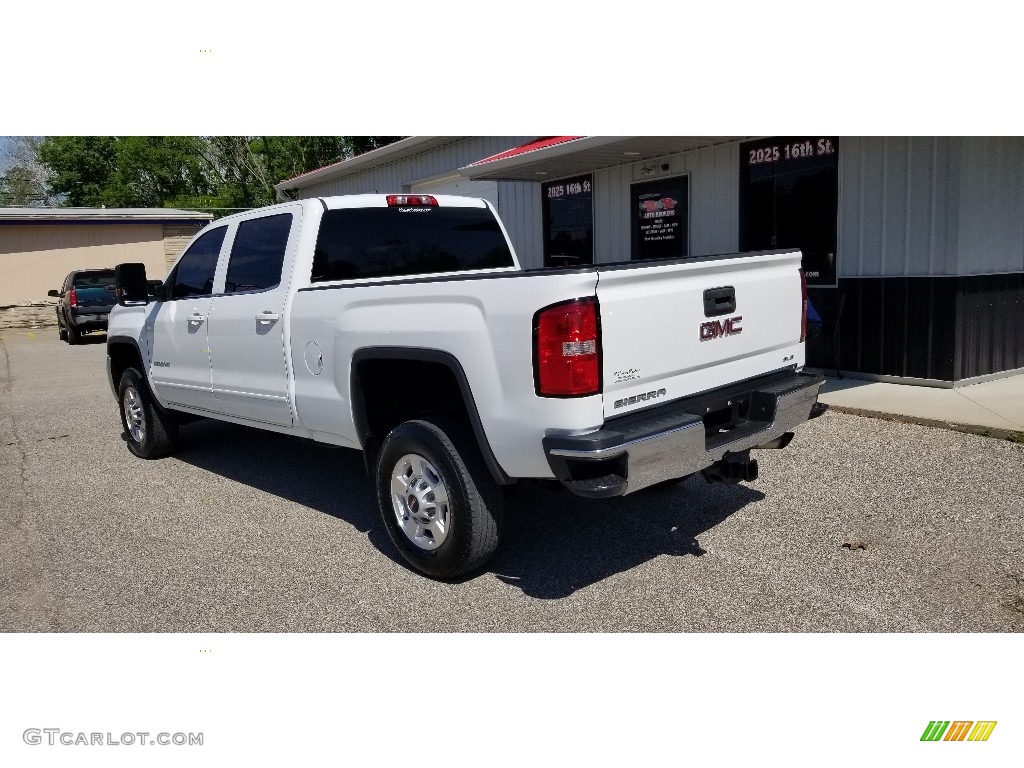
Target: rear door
<point x="180" y="369"/>
<point x="675" y="329"/>
<point x="246" y="330"/>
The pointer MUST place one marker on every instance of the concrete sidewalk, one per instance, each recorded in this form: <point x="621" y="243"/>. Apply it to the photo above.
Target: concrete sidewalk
<point x="997" y="405"/>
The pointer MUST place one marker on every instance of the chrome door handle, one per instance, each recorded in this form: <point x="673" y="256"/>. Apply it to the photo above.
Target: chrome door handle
<point x="268" y="317"/>
<point x="196" y="318"/>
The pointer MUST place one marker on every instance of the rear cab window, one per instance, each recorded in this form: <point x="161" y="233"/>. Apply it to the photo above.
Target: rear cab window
<point x="94" y="288"/>
<point x="362" y="243"/>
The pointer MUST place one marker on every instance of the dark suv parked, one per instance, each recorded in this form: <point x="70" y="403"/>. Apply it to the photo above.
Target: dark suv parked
<point x="86" y="299"/>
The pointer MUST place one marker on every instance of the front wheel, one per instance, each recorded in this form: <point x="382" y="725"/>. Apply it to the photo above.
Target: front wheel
<point x="439" y="504"/>
<point x="151" y="432"/>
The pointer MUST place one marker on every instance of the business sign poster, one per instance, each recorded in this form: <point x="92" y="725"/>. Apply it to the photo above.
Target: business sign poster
<point x="659" y="218"/>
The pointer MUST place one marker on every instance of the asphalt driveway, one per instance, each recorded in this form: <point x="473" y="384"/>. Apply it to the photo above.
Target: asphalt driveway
<point x="859" y="525"/>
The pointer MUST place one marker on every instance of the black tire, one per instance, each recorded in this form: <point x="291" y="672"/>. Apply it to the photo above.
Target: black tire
<point x="156" y="432"/>
<point x="472" y="514"/>
<point x="62" y="332"/>
<point x="72" y="334"/>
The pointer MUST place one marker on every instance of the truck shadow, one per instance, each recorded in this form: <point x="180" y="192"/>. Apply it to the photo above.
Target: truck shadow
<point x="553" y="543"/>
<point x="326" y="478"/>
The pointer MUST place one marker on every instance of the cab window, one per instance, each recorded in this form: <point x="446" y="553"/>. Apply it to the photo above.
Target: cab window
<point x="193" y="276"/>
<point x="257" y="254"/>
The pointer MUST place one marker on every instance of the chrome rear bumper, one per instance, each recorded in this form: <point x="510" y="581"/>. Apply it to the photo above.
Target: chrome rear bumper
<point x="638" y="450"/>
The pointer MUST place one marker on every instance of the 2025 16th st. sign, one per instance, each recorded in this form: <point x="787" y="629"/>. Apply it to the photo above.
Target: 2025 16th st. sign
<point x="789" y="197"/>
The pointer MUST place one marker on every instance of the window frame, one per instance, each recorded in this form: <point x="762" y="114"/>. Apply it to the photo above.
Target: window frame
<point x="171" y="280"/>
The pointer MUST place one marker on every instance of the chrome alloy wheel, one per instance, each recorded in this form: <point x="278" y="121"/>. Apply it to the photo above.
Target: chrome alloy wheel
<point x="420" y="501"/>
<point x="133" y="416"/>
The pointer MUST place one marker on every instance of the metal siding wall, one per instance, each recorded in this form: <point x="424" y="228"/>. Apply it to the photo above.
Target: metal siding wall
<point x="612" y="233"/>
<point x="991" y="236"/>
<point x="990" y="314"/>
<point x="894" y="208"/>
<point x="520" y="211"/>
<point x="393" y="176"/>
<point x="918" y="220"/>
<point x="714" y="201"/>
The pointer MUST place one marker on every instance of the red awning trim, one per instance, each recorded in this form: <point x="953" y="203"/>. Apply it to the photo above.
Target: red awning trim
<point x="533" y="146"/>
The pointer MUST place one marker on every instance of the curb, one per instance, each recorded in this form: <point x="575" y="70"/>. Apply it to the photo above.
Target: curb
<point x="971" y="429"/>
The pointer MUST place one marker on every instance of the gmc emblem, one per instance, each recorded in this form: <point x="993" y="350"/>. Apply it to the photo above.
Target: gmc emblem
<point x="715" y="329"/>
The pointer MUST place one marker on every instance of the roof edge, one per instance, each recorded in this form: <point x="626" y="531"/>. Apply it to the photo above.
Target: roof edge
<point x="487" y="166"/>
<point x="400" y="148"/>
<point x="103" y="214"/>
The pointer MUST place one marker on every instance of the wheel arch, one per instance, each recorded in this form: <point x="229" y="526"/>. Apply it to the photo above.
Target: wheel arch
<point x="123" y="352"/>
<point x="366" y="401"/>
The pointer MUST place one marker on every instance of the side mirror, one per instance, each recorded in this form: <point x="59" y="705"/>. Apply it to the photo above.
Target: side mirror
<point x="55" y="294"/>
<point x="130" y="285"/>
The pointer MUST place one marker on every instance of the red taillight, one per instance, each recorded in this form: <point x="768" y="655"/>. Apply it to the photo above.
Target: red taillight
<point x="72" y="298"/>
<point x="567" y="346"/>
<point x="803" y="310"/>
<point x="411" y="200"/>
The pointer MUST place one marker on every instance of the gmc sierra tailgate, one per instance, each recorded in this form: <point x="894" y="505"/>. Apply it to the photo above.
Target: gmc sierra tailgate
<point x="673" y="329"/>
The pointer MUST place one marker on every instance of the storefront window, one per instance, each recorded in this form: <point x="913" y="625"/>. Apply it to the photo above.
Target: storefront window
<point x="789" y="197"/>
<point x="568" y="222"/>
<point x="659" y="215"/>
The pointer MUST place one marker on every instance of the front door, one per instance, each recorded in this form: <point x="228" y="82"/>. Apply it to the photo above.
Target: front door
<point x="180" y="369"/>
<point x="789" y="198"/>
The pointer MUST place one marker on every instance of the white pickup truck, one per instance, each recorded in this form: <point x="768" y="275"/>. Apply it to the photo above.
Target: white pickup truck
<point x="403" y="326"/>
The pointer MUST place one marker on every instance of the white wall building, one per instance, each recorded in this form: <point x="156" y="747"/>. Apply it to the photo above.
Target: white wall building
<point x="921" y="237"/>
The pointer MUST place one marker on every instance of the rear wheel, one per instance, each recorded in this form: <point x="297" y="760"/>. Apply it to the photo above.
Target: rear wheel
<point x="62" y="332"/>
<point x="72" y="334"/>
<point x="151" y="432"/>
<point x="438" y="502"/>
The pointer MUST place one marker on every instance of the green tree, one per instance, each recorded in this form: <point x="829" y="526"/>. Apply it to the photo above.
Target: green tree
<point x="18" y="188"/>
<point x="125" y="172"/>
<point x="24" y="179"/>
<point x="80" y="167"/>
<point x="211" y="172"/>
<point x="250" y="166"/>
